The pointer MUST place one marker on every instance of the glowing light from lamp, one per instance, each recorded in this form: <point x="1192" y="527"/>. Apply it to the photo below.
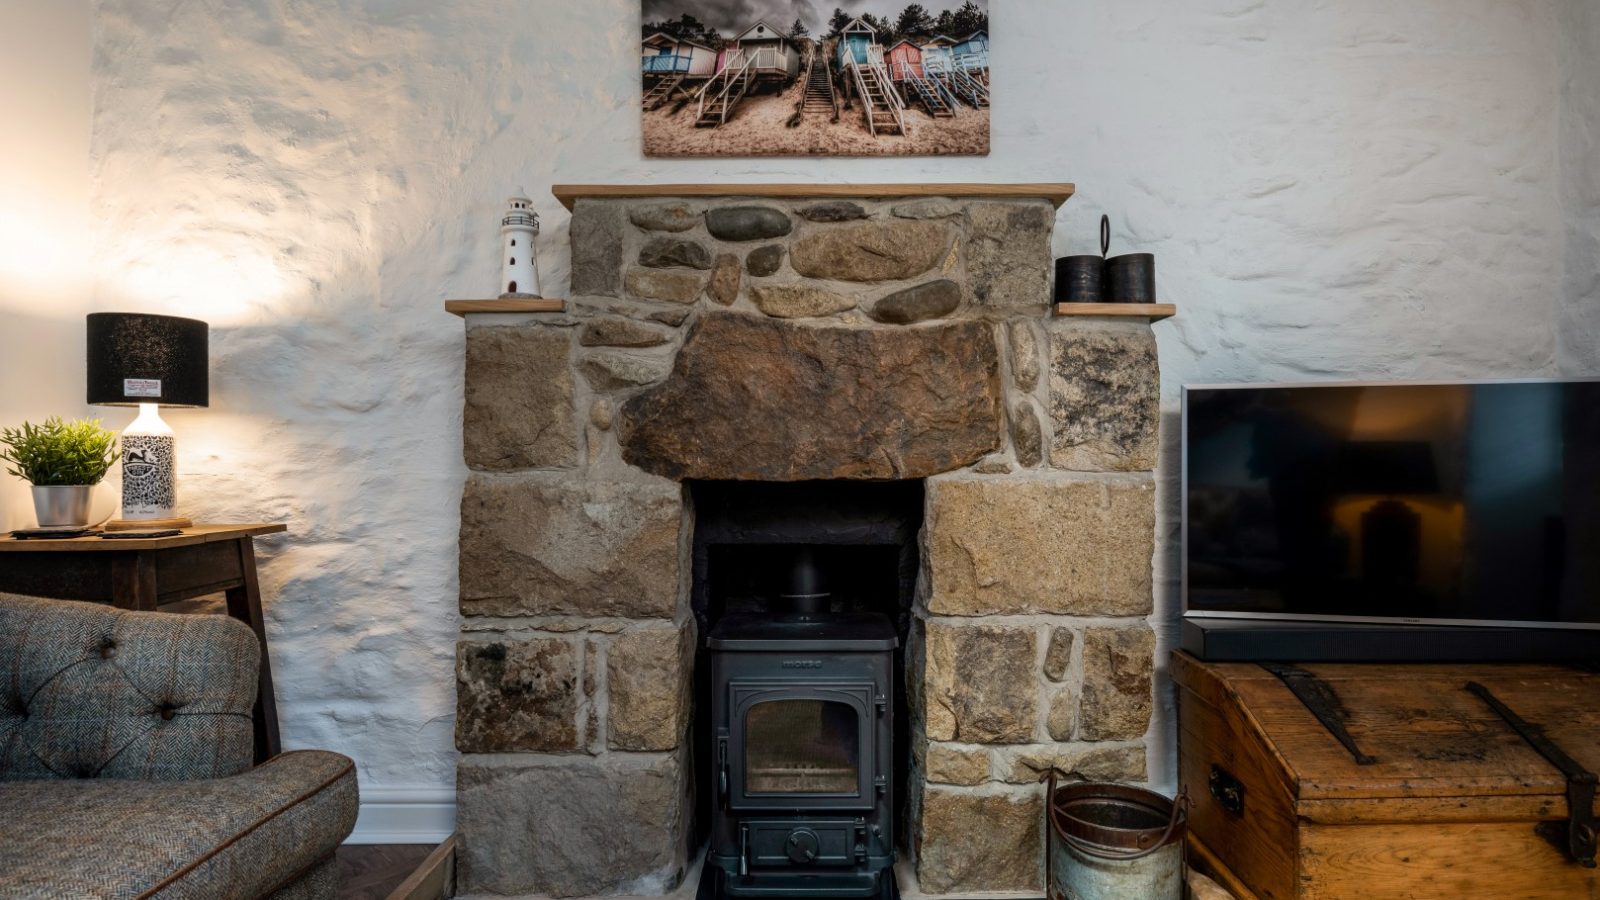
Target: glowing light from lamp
<point x="222" y="277"/>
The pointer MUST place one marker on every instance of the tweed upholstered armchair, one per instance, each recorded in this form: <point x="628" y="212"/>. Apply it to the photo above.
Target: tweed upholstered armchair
<point x="125" y="763"/>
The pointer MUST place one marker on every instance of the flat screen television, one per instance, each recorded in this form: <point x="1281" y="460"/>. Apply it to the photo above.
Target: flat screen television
<point x="1459" y="505"/>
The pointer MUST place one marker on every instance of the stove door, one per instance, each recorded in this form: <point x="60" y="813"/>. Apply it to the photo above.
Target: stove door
<point x="801" y="746"/>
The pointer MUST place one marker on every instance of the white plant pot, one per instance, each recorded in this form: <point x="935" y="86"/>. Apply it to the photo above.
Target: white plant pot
<point x="62" y="504"/>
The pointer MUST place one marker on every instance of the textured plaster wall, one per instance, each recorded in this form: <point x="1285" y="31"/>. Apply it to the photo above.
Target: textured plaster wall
<point x="1353" y="189"/>
<point x="1579" y="324"/>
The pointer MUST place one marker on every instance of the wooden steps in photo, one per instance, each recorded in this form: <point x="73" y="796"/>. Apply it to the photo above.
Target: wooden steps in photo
<point x="660" y="92"/>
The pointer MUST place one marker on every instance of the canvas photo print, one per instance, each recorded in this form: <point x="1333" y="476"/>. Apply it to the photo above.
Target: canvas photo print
<point x="802" y="78"/>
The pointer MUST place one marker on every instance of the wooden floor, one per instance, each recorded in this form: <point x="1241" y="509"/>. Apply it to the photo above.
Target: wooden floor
<point x="372" y="871"/>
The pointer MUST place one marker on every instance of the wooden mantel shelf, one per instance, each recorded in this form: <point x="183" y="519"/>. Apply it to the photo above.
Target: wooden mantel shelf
<point x="1155" y="312"/>
<point x="523" y="305"/>
<point x="1056" y="192"/>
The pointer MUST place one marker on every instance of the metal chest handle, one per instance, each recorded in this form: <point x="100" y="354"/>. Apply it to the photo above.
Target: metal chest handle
<point x="1580" y="837"/>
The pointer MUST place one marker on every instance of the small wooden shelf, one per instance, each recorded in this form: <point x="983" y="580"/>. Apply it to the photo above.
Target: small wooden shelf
<point x="530" y="305"/>
<point x="1056" y="192"/>
<point x="1155" y="312"/>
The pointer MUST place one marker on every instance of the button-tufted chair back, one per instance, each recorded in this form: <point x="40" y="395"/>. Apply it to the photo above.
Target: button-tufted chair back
<point x="89" y="691"/>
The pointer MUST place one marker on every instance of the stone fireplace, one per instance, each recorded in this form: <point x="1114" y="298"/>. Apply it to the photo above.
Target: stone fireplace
<point x="743" y="340"/>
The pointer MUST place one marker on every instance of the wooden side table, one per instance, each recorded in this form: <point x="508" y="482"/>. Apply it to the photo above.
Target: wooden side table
<point x="146" y="573"/>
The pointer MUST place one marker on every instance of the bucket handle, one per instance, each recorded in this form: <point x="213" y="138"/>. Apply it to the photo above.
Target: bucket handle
<point x="1180" y="813"/>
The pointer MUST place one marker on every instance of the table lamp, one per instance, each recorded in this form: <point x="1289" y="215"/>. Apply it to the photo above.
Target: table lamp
<point x="148" y="361"/>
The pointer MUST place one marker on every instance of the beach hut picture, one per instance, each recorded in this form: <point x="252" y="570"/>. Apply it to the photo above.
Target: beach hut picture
<point x="866" y="79"/>
<point x="814" y="78"/>
<point x="904" y="60"/>
<point x="972" y="55"/>
<point x="760" y="56"/>
<point x="672" y="64"/>
<point x="942" y="63"/>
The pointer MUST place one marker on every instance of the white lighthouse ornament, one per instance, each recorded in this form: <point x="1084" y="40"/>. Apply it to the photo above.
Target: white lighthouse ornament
<point x="519" y="270"/>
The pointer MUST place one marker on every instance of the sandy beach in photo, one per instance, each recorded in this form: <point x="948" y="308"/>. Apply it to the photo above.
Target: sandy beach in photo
<point x="759" y="128"/>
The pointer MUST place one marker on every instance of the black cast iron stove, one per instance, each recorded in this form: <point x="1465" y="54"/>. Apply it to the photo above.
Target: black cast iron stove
<point x="801" y="705"/>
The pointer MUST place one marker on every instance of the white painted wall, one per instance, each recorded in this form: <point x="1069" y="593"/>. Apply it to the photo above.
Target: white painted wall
<point x="1359" y="189"/>
<point x="1579" y="323"/>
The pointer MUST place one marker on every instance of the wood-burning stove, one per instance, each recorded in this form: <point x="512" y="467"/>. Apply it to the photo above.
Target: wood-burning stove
<point x="803" y="719"/>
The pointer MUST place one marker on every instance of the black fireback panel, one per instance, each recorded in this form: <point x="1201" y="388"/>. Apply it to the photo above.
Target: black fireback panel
<point x="802" y="714"/>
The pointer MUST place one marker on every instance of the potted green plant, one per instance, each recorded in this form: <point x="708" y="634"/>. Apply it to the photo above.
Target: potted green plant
<point x="63" y="461"/>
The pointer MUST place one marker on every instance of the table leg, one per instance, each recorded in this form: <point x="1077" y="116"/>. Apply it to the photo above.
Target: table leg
<point x="133" y="581"/>
<point x="244" y="604"/>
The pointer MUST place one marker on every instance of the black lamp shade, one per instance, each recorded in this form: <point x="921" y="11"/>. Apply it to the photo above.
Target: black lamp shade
<point x="137" y="358"/>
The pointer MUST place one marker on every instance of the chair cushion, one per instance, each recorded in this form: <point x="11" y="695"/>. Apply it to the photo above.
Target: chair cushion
<point x="90" y="691"/>
<point x="239" y="837"/>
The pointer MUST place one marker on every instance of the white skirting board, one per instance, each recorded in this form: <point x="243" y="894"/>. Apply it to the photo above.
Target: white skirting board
<point x="405" y="814"/>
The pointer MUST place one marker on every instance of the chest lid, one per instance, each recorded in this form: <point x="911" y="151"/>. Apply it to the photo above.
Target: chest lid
<point x="1428" y="737"/>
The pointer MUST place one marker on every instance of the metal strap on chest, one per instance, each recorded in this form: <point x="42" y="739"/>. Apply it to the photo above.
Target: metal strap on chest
<point x="1319" y="698"/>
<point x="1579" y="840"/>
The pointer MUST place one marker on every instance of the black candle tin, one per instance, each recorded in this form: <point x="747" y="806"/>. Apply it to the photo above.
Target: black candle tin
<point x="1131" y="278"/>
<point x="1080" y="279"/>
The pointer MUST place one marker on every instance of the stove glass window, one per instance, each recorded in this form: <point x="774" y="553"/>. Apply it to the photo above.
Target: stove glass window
<point x="801" y="747"/>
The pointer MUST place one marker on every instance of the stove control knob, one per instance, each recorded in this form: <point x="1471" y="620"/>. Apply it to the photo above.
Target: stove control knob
<point x="802" y="846"/>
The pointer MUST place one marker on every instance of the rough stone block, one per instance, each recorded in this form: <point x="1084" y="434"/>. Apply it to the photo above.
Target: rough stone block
<point x="1105" y="397"/>
<point x="833" y="211"/>
<point x="615" y="331"/>
<point x="1026" y="545"/>
<point x="755" y="398"/>
<point x="875" y="251"/>
<point x="1062" y="716"/>
<point x="519" y="409"/>
<point x="596" y="242"/>
<point x="725" y="278"/>
<point x="747" y="223"/>
<point x="610" y="371"/>
<point x="798" y="301"/>
<point x="955" y="765"/>
<point x="570" y="826"/>
<point x="670" y="253"/>
<point x="1027" y="436"/>
<point x="969" y="842"/>
<point x="919" y="303"/>
<point x="1124" y="764"/>
<point x="1117" y="668"/>
<point x="647" y="678"/>
<point x="673" y="287"/>
<point x="1024" y="355"/>
<point x="764" y="261"/>
<point x="541" y="546"/>
<point x="664" y="216"/>
<point x="1058" y="654"/>
<point x="930" y="208"/>
<point x="1008" y="254"/>
<point x="516" y="695"/>
<point x="1024" y="765"/>
<point x="979" y="683"/>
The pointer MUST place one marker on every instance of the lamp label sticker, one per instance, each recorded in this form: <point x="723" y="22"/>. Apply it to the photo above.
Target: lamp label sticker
<point x="141" y="387"/>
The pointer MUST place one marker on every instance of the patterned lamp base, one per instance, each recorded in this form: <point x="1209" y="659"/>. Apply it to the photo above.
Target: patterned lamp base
<point x="149" y="475"/>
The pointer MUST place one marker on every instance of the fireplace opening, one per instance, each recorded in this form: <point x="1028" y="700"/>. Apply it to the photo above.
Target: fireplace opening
<point x="803" y="593"/>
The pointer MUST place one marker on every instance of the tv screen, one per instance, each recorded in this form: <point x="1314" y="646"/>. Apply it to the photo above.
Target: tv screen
<point x="1472" y="503"/>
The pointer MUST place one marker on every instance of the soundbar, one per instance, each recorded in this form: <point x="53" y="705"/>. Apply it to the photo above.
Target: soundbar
<point x="1258" y="640"/>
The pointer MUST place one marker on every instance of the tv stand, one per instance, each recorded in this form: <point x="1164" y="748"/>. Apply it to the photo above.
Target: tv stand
<point x="1255" y="640"/>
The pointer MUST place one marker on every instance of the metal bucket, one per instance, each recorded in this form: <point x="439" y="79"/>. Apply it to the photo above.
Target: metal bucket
<point x="1114" y="842"/>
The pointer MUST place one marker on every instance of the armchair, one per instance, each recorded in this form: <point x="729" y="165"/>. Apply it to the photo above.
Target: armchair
<point x="125" y="763"/>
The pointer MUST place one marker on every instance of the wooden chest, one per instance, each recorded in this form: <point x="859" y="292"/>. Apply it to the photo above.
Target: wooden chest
<point x="1450" y="803"/>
